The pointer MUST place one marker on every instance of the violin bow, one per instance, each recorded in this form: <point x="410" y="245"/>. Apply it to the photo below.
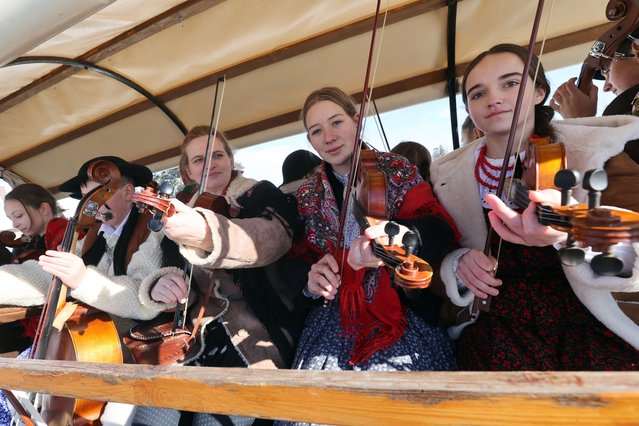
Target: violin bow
<point x="352" y="176"/>
<point x="480" y="304"/>
<point x="179" y="318"/>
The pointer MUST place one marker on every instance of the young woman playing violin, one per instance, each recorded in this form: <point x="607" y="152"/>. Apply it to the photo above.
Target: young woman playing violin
<point x="248" y="321"/>
<point x="34" y="212"/>
<point x="541" y="316"/>
<point x="367" y="324"/>
<point x="31" y="208"/>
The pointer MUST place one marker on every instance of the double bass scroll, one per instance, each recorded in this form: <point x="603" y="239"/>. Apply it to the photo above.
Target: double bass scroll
<point x="626" y="13"/>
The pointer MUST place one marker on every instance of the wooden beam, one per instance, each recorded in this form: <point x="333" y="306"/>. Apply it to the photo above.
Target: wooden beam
<point x="347" y="398"/>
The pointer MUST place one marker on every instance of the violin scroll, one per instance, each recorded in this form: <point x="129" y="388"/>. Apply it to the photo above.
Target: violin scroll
<point x="158" y="203"/>
<point x="600" y="228"/>
<point x="410" y="271"/>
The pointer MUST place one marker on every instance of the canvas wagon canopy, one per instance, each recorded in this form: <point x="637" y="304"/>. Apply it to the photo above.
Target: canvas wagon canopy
<point x="78" y="88"/>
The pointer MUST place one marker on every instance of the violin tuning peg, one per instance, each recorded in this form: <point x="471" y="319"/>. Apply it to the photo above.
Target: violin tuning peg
<point x="606" y="264"/>
<point x="155" y="223"/>
<point x="391" y="229"/>
<point x="571" y="256"/>
<point x="410" y="241"/>
<point x="595" y="181"/>
<point x="166" y="188"/>
<point x="566" y="180"/>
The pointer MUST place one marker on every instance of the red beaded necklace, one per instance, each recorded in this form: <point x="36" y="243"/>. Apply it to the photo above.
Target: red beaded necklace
<point x="483" y="164"/>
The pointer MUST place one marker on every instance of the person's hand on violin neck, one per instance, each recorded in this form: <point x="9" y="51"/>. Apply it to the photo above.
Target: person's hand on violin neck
<point x="68" y="267"/>
<point x="525" y="228"/>
<point x="170" y="289"/>
<point x="360" y="254"/>
<point x="477" y="272"/>
<point x="188" y="227"/>
<point x="323" y="278"/>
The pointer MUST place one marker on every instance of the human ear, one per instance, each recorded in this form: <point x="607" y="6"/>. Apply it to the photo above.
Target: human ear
<point x="540" y="94"/>
<point x="129" y="190"/>
<point x="45" y="210"/>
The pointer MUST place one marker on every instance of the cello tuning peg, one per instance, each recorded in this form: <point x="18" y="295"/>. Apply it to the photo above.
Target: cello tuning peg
<point x="606" y="264"/>
<point x="391" y="229"/>
<point x="166" y="188"/>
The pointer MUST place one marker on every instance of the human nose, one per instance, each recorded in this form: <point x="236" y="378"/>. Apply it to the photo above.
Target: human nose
<point x="329" y="135"/>
<point x="494" y="99"/>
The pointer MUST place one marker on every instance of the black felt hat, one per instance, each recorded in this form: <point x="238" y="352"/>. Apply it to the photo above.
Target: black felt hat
<point x="298" y="164"/>
<point x="141" y="175"/>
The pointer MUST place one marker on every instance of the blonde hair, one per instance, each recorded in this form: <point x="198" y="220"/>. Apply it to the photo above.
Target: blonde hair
<point x="194" y="133"/>
<point x="333" y="94"/>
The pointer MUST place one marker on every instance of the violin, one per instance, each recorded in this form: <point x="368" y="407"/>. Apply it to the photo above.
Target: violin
<point x="586" y="225"/>
<point x="370" y="207"/>
<point x="51" y="239"/>
<point x="9" y="239"/>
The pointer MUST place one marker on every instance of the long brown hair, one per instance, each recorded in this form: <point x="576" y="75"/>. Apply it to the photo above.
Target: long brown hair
<point x="33" y="195"/>
<point x="543" y="113"/>
<point x="194" y="133"/>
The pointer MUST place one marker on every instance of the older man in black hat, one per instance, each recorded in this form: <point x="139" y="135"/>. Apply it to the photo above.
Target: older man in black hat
<point x="109" y="264"/>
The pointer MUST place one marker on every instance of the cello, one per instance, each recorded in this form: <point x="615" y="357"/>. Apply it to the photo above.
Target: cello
<point x="73" y="331"/>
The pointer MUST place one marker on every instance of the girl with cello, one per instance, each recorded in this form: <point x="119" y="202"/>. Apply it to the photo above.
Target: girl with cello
<point x="249" y="320"/>
<point x="367" y="324"/>
<point x="543" y="315"/>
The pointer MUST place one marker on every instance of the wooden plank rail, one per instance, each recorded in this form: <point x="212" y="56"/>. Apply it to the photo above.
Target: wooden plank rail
<point x="348" y="398"/>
